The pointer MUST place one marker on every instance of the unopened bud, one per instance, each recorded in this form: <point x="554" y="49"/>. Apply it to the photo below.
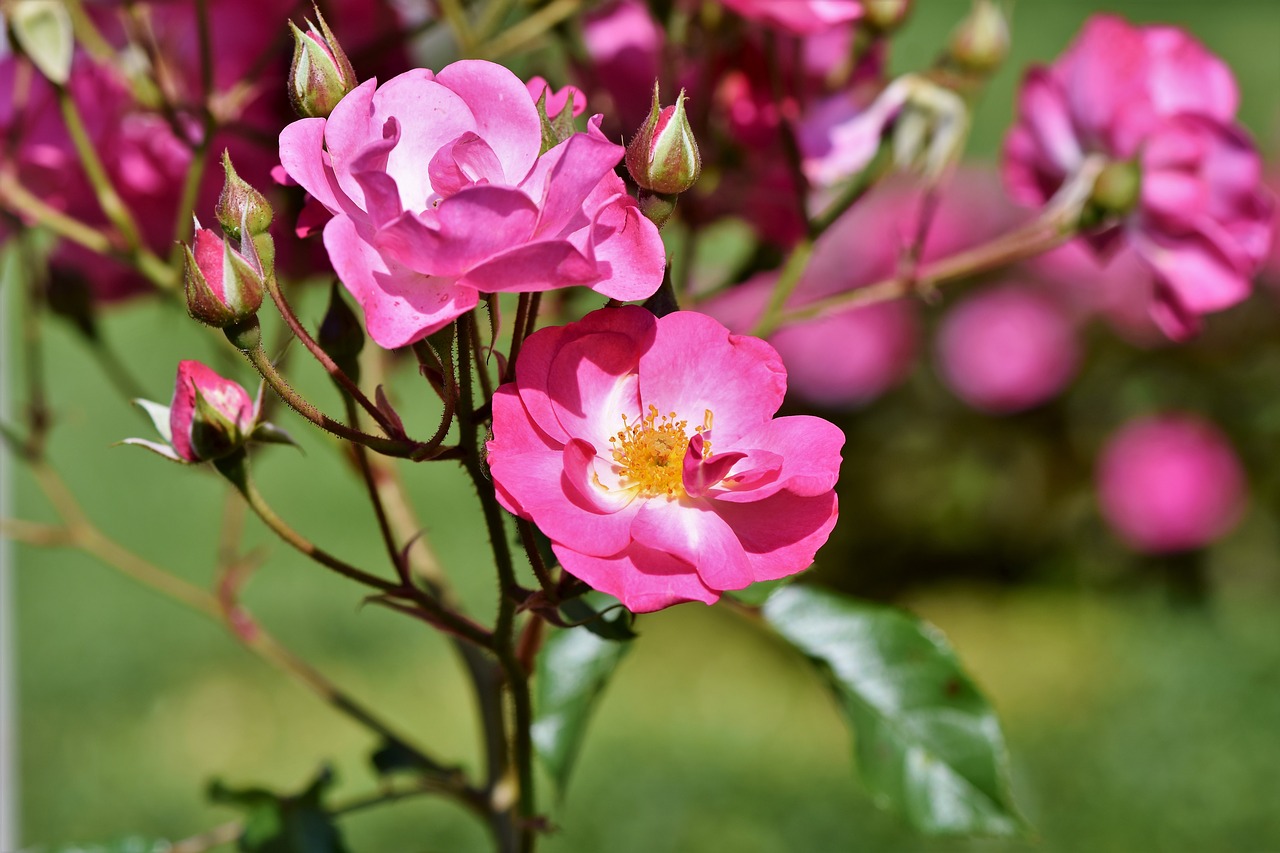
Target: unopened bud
<point x="239" y="203"/>
<point x="885" y="16"/>
<point x="223" y="286"/>
<point x="981" y="41"/>
<point x="341" y="334"/>
<point x="210" y="417"/>
<point x="321" y="74"/>
<point x="663" y="157"/>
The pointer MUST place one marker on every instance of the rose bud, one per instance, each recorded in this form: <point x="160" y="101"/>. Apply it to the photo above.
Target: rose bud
<point x="885" y="16"/>
<point x="223" y="286"/>
<point x="321" y="74"/>
<point x="208" y="418"/>
<point x="663" y="157"/>
<point x="241" y="203"/>
<point x="981" y="41"/>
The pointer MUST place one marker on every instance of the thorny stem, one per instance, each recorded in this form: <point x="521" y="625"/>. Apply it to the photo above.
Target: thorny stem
<point x="504" y="633"/>
<point x="318" y="353"/>
<point x="540" y="569"/>
<point x="402" y="448"/>
<point x="235" y="469"/>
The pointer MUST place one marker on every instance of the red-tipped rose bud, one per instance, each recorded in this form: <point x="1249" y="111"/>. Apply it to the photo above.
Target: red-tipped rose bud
<point x="663" y="157"/>
<point x="239" y="203"/>
<point x="209" y="417"/>
<point x="981" y="41"/>
<point x="885" y="16"/>
<point x="223" y="286"/>
<point x="321" y="74"/>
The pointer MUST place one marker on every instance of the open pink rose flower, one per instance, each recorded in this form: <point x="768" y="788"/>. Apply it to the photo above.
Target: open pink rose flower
<point x="647" y="450"/>
<point x="1157" y="100"/>
<point x="439" y="191"/>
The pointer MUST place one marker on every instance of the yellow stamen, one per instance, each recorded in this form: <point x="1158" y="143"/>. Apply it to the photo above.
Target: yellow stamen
<point x="651" y="452"/>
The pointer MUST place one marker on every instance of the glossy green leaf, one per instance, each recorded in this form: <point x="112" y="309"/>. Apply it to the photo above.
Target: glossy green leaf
<point x="275" y="823"/>
<point x="927" y="741"/>
<point x="573" y="669"/>
<point x="602" y="615"/>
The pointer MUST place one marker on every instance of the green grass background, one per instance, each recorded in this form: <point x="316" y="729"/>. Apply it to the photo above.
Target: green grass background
<point x="1133" y="725"/>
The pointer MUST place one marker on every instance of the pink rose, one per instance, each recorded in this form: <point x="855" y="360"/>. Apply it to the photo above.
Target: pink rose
<point x="1170" y="483"/>
<point x="802" y="17"/>
<point x="646" y="449"/>
<point x="439" y="192"/>
<point x="1155" y="99"/>
<point x="1007" y="349"/>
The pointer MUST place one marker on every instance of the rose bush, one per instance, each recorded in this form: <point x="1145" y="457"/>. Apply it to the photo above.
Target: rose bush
<point x="439" y="191"/>
<point x="605" y="441"/>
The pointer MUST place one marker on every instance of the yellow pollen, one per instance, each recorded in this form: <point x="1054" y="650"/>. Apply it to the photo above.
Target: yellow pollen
<point x="650" y="452"/>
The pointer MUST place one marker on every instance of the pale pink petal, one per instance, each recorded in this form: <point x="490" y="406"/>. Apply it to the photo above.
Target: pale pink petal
<point x="595" y="381"/>
<point x="430" y="115"/>
<point x="533" y="267"/>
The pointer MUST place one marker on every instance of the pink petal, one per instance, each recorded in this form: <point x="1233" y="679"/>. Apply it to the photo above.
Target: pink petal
<point x="696" y="364"/>
<point x="641" y="578"/>
<point x="430" y="115"/>
<point x="593" y="385"/>
<point x="781" y="534"/>
<point x="696" y="535"/>
<point x="478" y="224"/>
<point x="533" y="267"/>
<point x="465" y="161"/>
<point x="400" y="306"/>
<point x="810" y="450"/>
<point x="504" y="115"/>
<point x="628" y="251"/>
<point x="301" y="155"/>
<point x="566" y="175"/>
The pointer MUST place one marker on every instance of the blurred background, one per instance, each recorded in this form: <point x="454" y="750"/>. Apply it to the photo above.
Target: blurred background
<point x="1138" y="691"/>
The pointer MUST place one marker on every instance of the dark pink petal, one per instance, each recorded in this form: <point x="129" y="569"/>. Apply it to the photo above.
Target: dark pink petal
<point x="556" y="99"/>
<point x="301" y="155"/>
<point x="1202" y="275"/>
<point x="572" y="170"/>
<point x="504" y="115"/>
<point x="1187" y="78"/>
<point x="642" y="579"/>
<point x="693" y="533"/>
<point x="349" y="129"/>
<point x="225" y="396"/>
<point x="781" y="534"/>
<point x="533" y="367"/>
<point x="381" y="196"/>
<point x="400" y="306"/>
<point x="700" y="472"/>
<point x="695" y="365"/>
<point x="209" y="250"/>
<point x="1043" y="110"/>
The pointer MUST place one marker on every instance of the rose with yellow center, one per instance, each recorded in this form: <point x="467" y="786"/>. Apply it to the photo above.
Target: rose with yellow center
<point x="597" y="442"/>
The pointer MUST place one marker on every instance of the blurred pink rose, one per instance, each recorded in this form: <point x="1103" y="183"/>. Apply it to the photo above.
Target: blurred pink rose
<point x="605" y="441"/>
<point x="1007" y="349"/>
<point x="851" y="357"/>
<point x="1154" y="97"/>
<point x="1170" y="483"/>
<point x="802" y="17"/>
<point x="439" y="193"/>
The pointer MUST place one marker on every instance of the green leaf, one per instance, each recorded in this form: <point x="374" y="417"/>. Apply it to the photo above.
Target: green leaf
<point x="927" y="742"/>
<point x="275" y="823"/>
<point x="573" y="669"/>
<point x="602" y="615"/>
<point x="758" y="593"/>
